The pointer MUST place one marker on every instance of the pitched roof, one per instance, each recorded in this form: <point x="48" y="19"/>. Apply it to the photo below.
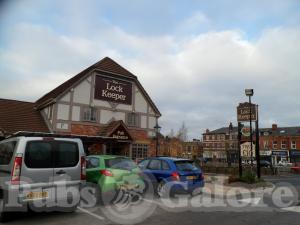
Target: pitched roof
<point x="111" y="127"/>
<point x="105" y="65"/>
<point x="20" y="116"/>
<point x="281" y="131"/>
<point x="223" y="130"/>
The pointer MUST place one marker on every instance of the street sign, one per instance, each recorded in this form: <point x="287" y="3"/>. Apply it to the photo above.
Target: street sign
<point x="246" y="150"/>
<point x="243" y="112"/>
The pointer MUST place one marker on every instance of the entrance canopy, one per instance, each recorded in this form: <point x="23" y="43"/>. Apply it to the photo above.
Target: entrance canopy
<point x="117" y="130"/>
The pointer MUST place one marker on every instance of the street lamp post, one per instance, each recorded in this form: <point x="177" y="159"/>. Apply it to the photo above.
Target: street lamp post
<point x="157" y="130"/>
<point x="249" y="93"/>
<point x="230" y="128"/>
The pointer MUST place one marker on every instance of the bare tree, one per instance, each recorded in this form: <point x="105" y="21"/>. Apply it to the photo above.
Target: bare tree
<point x="183" y="132"/>
<point x="171" y="134"/>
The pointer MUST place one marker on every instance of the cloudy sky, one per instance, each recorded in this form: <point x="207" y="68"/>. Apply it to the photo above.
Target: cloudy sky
<point x="195" y="58"/>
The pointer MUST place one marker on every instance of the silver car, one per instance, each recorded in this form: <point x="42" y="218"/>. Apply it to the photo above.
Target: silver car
<point x="43" y="173"/>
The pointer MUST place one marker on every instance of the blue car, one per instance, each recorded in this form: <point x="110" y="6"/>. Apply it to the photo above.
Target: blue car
<point x="170" y="176"/>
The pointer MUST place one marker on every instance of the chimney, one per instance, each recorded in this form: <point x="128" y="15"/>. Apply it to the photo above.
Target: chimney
<point x="274" y="126"/>
<point x="207" y="131"/>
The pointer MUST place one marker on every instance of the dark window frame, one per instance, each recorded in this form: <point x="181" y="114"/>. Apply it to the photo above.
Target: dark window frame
<point x="148" y="167"/>
<point x="54" y="148"/>
<point x="11" y="153"/>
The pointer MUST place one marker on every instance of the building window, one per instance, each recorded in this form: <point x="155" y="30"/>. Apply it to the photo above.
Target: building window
<point x="89" y="114"/>
<point x="266" y="144"/>
<point x="139" y="151"/>
<point x="293" y="145"/>
<point x="132" y="119"/>
<point x="274" y="144"/>
<point x="283" y="144"/>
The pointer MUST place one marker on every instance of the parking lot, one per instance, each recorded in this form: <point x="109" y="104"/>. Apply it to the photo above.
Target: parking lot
<point x="182" y="210"/>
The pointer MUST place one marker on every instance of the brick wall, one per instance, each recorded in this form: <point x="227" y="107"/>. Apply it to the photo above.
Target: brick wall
<point x="85" y="129"/>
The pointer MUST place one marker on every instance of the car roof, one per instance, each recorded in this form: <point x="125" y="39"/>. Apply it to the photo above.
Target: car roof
<point x="107" y="156"/>
<point x="169" y="158"/>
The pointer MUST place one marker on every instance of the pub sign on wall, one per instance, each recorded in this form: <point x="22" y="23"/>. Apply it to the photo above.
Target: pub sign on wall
<point x="113" y="90"/>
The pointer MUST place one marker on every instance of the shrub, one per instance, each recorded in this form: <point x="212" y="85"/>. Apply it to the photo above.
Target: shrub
<point x="248" y="177"/>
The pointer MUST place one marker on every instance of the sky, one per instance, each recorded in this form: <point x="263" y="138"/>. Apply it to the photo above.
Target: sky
<point x="194" y="58"/>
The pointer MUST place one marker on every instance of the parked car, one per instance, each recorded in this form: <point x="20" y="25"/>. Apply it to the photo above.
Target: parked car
<point x="265" y="163"/>
<point x="171" y="176"/>
<point x="36" y="168"/>
<point x="113" y="173"/>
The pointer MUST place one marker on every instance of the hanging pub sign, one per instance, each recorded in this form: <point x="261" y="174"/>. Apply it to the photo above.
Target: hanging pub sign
<point x="246" y="131"/>
<point x="113" y="90"/>
<point x="246" y="150"/>
<point x="243" y="112"/>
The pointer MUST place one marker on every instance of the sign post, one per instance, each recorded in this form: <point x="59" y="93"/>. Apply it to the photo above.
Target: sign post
<point x="248" y="112"/>
<point x="257" y="145"/>
<point x="239" y="149"/>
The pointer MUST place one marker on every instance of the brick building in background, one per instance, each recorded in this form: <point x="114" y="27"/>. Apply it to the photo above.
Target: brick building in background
<point x="277" y="144"/>
<point x="221" y="145"/>
<point x="280" y="144"/>
<point x="192" y="149"/>
<point x="104" y="100"/>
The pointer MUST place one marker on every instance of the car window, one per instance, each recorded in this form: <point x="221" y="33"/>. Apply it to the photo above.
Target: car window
<point x="92" y="162"/>
<point x="185" y="166"/>
<point x="6" y="152"/>
<point x="165" y="165"/>
<point x="38" y="154"/>
<point x="154" y="164"/>
<point x="120" y="163"/>
<point x="144" y="163"/>
<point x="66" y="154"/>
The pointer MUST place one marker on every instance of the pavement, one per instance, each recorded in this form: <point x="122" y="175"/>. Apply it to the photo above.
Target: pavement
<point x="279" y="206"/>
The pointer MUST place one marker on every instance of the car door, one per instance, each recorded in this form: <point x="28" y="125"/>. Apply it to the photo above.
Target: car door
<point x="92" y="169"/>
<point x="154" y="168"/>
<point x="66" y="169"/>
<point x="37" y="169"/>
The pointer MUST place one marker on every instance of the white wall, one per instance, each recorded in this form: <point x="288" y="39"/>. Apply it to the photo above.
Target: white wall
<point x="140" y="103"/>
<point x="143" y="121"/>
<point x="119" y="116"/>
<point x="62" y="126"/>
<point x="76" y="113"/>
<point x="124" y="107"/>
<point x="66" y="97"/>
<point x="101" y="103"/>
<point x="63" y="112"/>
<point x="152" y="122"/>
<point x="105" y="116"/>
<point x="82" y="93"/>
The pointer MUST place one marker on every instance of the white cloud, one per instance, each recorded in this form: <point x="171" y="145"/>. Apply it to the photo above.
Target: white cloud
<point x="197" y="79"/>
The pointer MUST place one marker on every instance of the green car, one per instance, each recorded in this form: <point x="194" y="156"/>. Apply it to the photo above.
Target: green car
<point x="113" y="173"/>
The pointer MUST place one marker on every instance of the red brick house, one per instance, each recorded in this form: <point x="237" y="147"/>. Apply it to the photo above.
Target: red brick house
<point x="280" y="144"/>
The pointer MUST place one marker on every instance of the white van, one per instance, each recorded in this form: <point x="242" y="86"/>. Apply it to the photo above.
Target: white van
<point x="44" y="173"/>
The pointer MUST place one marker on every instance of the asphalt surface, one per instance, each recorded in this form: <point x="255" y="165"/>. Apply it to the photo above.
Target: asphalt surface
<point x="186" y="210"/>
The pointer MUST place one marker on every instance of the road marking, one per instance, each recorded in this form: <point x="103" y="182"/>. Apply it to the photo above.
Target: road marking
<point x="152" y="201"/>
<point x="292" y="209"/>
<point x="91" y="214"/>
<point x="255" y="201"/>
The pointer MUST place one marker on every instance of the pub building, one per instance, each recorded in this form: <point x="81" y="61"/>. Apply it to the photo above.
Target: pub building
<point x="105" y="104"/>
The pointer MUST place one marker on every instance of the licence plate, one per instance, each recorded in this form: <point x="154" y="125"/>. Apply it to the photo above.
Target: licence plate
<point x="34" y="195"/>
<point x="129" y="186"/>
<point x="191" y="177"/>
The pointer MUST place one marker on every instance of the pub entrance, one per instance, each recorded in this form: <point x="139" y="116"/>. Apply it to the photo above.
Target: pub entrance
<point x="118" y="148"/>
